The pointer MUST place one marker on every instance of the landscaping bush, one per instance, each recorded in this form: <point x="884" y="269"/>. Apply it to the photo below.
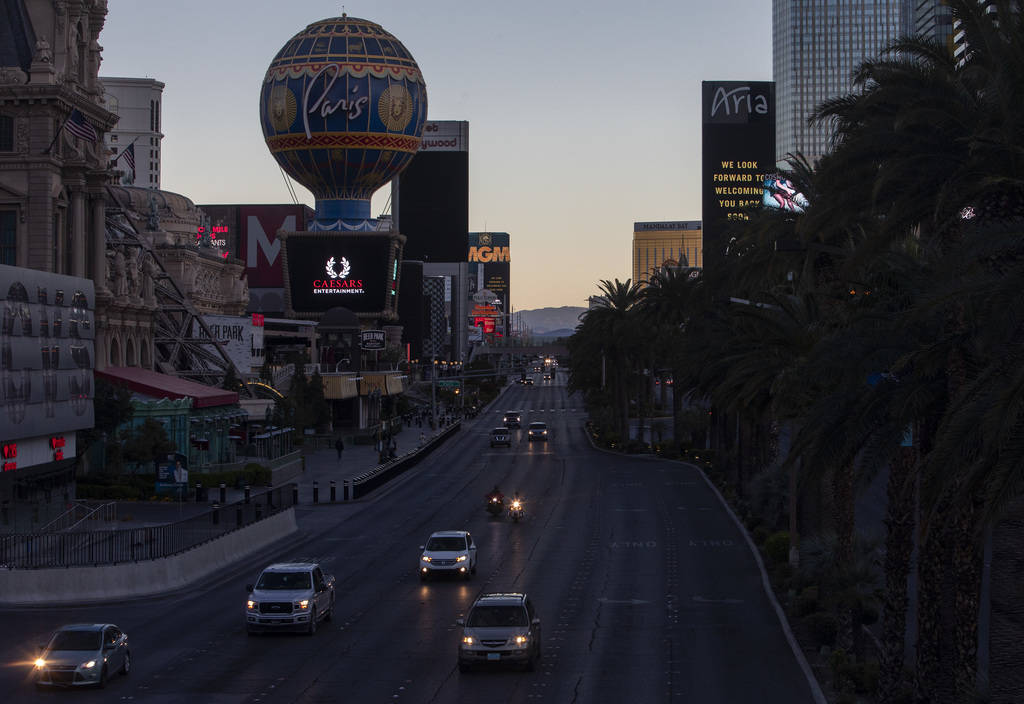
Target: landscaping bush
<point x="807" y="602"/>
<point x="823" y="627"/>
<point x="776" y="547"/>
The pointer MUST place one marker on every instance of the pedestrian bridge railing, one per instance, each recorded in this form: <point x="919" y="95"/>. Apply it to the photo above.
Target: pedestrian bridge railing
<point x="111" y="547"/>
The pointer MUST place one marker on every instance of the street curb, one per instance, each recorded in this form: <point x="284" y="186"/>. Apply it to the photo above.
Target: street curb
<point x="798" y="653"/>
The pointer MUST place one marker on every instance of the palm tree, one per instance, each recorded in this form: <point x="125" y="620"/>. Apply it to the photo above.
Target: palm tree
<point x="614" y="323"/>
<point x="930" y="139"/>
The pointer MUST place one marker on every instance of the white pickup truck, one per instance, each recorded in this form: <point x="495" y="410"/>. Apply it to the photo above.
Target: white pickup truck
<point x="289" y="596"/>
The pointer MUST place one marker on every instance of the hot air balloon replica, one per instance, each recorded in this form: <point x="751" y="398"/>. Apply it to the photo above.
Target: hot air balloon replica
<point x="342" y="108"/>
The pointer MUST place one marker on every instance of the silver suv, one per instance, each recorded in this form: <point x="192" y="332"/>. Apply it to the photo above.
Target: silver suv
<point x="501" y="628"/>
<point x="289" y="596"/>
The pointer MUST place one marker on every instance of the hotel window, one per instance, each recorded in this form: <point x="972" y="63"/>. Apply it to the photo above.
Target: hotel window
<point x="8" y="237"/>
<point x="113" y="138"/>
<point x="6" y="133"/>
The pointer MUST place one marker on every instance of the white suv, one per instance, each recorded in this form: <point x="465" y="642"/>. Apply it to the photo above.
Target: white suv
<point x="448" y="552"/>
<point x="289" y="596"/>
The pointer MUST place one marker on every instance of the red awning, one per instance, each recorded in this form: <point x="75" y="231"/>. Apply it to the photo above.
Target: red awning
<point x="150" y="383"/>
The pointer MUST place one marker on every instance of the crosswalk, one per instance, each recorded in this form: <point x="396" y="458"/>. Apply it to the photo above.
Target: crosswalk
<point x="547" y="410"/>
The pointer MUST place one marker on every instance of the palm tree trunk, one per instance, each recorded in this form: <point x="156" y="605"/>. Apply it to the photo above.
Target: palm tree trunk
<point x="843" y="505"/>
<point x="967" y="570"/>
<point x="934" y="683"/>
<point x="899" y="545"/>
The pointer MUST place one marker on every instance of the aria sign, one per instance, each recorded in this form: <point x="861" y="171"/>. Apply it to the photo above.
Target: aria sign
<point x="338" y="281"/>
<point x="371" y="340"/>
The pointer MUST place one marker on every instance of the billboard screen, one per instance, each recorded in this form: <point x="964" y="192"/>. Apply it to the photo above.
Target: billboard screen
<point x="354" y="271"/>
<point x="781" y="194"/>
<point x="430" y="198"/>
<point x="258" y="245"/>
<point x="738" y="151"/>
<point x="445" y="136"/>
<point x="47" y="353"/>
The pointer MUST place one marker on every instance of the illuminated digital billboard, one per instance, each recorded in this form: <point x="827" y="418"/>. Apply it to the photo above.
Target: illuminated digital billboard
<point x="354" y="271"/>
<point x="738" y="152"/>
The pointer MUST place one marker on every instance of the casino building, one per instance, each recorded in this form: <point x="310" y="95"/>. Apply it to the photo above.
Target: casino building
<point x="93" y="277"/>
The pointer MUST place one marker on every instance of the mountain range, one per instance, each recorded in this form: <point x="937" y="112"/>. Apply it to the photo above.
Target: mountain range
<point x="551" y="322"/>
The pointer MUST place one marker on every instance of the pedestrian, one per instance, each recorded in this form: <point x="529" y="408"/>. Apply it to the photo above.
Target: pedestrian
<point x="423" y="439"/>
<point x="393" y="448"/>
<point x="339" y="446"/>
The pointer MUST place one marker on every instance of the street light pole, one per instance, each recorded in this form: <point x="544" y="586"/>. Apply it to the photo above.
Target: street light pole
<point x="433" y="391"/>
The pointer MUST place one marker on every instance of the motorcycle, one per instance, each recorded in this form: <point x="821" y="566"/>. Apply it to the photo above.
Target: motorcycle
<point x="495" y="506"/>
<point x="516" y="510"/>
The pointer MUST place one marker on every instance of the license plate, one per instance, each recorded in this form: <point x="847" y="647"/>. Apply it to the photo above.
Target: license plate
<point x="494" y="656"/>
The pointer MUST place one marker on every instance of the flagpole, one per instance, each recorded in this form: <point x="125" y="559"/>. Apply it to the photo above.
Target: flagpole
<point x="118" y="157"/>
<point x="57" y="135"/>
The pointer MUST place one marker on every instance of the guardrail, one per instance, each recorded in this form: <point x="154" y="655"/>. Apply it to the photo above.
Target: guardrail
<point x="363" y="484"/>
<point x="111" y="547"/>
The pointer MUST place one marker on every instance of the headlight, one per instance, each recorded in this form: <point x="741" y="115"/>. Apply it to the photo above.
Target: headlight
<point x="250" y="604"/>
<point x="521" y="640"/>
<point x="461" y="558"/>
<point x="516" y="504"/>
<point x="467" y="640"/>
<point x="40" y="662"/>
<point x="426" y="558"/>
<point x="89" y="665"/>
<point x="304" y="604"/>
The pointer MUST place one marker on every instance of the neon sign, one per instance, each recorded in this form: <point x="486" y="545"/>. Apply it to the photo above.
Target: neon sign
<point x="215" y="237"/>
<point x="10" y="450"/>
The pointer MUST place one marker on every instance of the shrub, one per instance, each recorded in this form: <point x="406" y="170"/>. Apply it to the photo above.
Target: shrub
<point x="807" y="602"/>
<point x="760" y="535"/>
<point x="776" y="547"/>
<point x="823" y="627"/>
<point x="864" y="677"/>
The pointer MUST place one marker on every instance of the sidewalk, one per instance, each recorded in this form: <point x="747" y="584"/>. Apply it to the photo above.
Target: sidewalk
<point x="321" y="466"/>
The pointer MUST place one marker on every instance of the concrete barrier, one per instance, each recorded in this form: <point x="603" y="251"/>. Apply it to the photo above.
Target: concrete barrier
<point x="145" y="578"/>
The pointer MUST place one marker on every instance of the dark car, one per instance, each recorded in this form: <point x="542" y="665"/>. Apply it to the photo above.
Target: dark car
<point x="529" y="381"/>
<point x="500" y="629"/>
<point x="537" y="431"/>
<point x="513" y="419"/>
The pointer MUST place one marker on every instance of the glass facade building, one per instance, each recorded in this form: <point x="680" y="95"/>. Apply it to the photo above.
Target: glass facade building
<point x="660" y="244"/>
<point x="816" y="47"/>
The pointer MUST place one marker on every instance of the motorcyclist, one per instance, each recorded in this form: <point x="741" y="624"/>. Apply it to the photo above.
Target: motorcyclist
<point x="496" y="494"/>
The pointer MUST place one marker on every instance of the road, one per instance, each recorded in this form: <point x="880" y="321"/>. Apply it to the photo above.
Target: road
<point x="646" y="590"/>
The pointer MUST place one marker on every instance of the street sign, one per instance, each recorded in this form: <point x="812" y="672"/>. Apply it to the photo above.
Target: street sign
<point x="449" y="383"/>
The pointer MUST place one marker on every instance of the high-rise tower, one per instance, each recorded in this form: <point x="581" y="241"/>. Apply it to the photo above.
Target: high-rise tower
<point x="817" y="44"/>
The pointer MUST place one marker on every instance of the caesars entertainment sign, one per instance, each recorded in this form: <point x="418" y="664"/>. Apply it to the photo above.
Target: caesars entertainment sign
<point x="358" y="271"/>
<point x="738" y="136"/>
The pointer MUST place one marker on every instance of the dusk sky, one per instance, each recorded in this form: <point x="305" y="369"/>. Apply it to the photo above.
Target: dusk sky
<point x="583" y="118"/>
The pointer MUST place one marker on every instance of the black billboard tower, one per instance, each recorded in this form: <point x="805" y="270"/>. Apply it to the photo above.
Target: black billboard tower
<point x="738" y="151"/>
<point x="430" y="198"/>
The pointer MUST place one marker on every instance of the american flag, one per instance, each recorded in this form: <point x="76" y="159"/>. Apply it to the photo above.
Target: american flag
<point x="77" y="125"/>
<point x="129" y="156"/>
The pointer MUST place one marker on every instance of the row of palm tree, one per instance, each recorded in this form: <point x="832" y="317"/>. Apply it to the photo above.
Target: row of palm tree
<point x="883" y="325"/>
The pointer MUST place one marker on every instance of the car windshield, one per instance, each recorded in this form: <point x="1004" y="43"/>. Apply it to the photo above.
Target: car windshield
<point x="284" y="580"/>
<point x="499" y="431"/>
<point x="75" y="640"/>
<point x="484" y="616"/>
<point x="448" y="543"/>
<point x="537" y="426"/>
